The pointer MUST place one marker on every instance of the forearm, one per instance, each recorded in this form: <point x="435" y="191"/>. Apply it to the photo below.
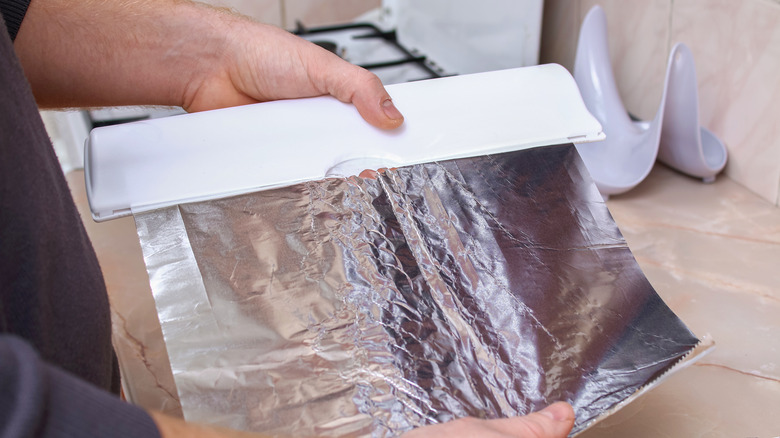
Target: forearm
<point x="103" y="52"/>
<point x="174" y="52"/>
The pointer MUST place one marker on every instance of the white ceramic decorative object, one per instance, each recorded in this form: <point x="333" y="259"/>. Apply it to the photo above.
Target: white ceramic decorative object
<point x="627" y="155"/>
<point x="685" y="145"/>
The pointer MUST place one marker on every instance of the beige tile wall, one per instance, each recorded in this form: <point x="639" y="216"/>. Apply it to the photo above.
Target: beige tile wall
<point x="285" y="13"/>
<point x="736" y="46"/>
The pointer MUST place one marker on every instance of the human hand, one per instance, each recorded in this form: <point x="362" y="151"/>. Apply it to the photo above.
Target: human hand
<point x="180" y="53"/>
<point x="262" y="63"/>
<point x="555" y="421"/>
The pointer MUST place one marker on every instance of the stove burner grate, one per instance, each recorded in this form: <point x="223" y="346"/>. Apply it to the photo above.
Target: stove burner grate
<point x="351" y="35"/>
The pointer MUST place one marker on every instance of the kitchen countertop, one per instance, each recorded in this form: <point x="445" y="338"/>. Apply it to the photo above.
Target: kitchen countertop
<point x="712" y="251"/>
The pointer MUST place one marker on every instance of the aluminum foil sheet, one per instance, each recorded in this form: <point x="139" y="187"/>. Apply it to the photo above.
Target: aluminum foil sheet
<point x="487" y="287"/>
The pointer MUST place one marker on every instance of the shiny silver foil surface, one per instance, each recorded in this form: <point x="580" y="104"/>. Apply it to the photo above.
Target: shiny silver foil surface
<point x="486" y="287"/>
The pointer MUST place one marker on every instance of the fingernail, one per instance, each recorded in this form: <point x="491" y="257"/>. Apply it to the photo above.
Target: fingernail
<point x="390" y="110"/>
<point x="556" y="412"/>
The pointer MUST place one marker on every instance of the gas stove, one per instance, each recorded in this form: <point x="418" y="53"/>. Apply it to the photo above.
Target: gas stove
<point x="409" y="40"/>
<point x="378" y="51"/>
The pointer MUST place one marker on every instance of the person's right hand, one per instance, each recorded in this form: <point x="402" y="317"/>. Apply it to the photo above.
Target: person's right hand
<point x="555" y="421"/>
<point x="259" y="63"/>
<point x="181" y="53"/>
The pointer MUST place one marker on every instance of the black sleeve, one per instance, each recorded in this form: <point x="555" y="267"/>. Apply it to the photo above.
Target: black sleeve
<point x="13" y="13"/>
<point x="38" y="400"/>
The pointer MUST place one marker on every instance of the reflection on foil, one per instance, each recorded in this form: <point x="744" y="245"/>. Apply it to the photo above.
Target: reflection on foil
<point x="486" y="287"/>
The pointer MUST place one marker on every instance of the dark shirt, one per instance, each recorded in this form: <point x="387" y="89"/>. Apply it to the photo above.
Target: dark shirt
<point x="56" y="358"/>
<point x="13" y="13"/>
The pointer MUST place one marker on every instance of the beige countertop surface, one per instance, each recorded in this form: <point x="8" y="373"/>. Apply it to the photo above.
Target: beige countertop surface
<point x="712" y="252"/>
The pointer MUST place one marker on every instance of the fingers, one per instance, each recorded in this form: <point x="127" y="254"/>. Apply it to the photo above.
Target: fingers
<point x="369" y="174"/>
<point x="266" y="63"/>
<point x="555" y="421"/>
<point x="374" y="174"/>
<point x="353" y="84"/>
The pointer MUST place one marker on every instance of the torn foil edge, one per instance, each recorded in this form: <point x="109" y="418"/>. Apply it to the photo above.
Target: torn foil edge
<point x="705" y="346"/>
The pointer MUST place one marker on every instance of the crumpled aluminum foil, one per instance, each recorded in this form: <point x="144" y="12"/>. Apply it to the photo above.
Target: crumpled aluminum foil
<point x="487" y="287"/>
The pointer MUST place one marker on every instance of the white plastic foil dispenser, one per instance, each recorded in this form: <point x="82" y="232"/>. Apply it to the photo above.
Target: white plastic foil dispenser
<point x="480" y="275"/>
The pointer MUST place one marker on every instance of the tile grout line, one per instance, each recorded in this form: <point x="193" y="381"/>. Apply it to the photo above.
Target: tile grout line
<point x="671" y="24"/>
<point x="777" y="196"/>
<point x="774" y="2"/>
<point x="744" y="373"/>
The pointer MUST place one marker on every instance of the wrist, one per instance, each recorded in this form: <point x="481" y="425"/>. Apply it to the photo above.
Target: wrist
<point x="213" y="39"/>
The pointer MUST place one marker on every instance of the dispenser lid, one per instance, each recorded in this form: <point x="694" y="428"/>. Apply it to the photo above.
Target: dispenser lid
<point x="155" y="163"/>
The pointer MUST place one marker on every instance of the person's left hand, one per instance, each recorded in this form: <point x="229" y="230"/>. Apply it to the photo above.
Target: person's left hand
<point x="554" y="421"/>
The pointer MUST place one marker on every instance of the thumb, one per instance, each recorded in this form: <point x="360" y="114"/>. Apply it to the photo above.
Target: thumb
<point x="554" y="421"/>
<point x="364" y="90"/>
<point x="375" y="105"/>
